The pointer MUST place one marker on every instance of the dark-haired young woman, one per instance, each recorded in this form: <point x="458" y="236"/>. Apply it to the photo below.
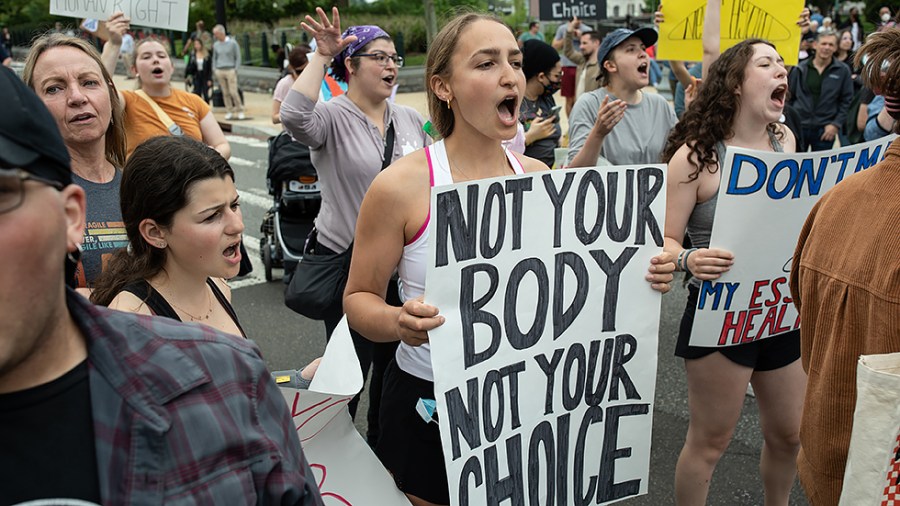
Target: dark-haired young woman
<point x="739" y="104"/>
<point x="184" y="225"/>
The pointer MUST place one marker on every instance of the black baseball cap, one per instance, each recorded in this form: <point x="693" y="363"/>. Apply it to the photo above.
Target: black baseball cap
<point x="29" y="137"/>
<point x="612" y="40"/>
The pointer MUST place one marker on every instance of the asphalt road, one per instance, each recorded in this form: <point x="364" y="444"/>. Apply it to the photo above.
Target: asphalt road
<point x="288" y="340"/>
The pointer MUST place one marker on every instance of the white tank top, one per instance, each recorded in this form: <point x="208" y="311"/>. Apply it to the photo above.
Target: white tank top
<point x="416" y="360"/>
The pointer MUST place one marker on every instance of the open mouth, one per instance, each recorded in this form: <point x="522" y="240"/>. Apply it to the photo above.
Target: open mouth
<point x="233" y="253"/>
<point x="389" y="79"/>
<point x="778" y="96"/>
<point x="643" y="69"/>
<point x="85" y="116"/>
<point x="157" y="71"/>
<point x="508" y="110"/>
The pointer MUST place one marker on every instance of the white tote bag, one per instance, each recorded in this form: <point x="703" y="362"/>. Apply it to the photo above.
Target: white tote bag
<point x="872" y="475"/>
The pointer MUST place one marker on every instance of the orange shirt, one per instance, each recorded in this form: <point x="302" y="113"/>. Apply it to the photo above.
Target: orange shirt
<point x="142" y="123"/>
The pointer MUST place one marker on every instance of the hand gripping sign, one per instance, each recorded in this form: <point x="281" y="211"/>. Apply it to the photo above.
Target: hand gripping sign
<point x="545" y="367"/>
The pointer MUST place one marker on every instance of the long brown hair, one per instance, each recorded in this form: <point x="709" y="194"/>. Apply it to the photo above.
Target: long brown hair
<point x="156" y="184"/>
<point x="710" y="118"/>
<point x="440" y="55"/>
<point x="115" y="133"/>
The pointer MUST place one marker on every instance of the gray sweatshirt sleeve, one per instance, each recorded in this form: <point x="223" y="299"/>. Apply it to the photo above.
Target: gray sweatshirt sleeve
<point x="303" y="120"/>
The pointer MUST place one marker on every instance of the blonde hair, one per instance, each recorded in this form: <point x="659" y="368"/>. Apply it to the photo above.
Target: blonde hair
<point x="115" y="133"/>
<point x="440" y="54"/>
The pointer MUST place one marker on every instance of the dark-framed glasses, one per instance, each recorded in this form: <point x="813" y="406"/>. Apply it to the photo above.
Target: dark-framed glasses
<point x="12" y="187"/>
<point x="382" y="58"/>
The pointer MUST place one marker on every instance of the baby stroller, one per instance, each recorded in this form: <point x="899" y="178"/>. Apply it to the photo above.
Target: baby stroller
<point x="293" y="183"/>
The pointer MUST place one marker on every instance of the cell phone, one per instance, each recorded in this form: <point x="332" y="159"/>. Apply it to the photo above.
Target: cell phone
<point x="555" y="109"/>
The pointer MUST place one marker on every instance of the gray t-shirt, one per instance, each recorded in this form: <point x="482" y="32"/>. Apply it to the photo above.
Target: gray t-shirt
<point x="347" y="150"/>
<point x="104" y="232"/>
<point x="639" y="137"/>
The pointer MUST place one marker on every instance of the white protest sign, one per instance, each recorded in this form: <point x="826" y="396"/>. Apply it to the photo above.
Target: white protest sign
<point x="764" y="198"/>
<point x="545" y="367"/>
<point x="167" y="14"/>
<point x="345" y="469"/>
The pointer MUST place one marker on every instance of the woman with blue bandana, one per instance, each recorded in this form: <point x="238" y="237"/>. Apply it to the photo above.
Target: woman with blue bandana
<point x="351" y="138"/>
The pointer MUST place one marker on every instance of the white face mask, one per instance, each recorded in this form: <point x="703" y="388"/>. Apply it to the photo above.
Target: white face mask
<point x="885" y="17"/>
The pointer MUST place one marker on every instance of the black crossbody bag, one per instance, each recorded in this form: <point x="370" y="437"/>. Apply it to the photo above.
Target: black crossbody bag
<point x="319" y="280"/>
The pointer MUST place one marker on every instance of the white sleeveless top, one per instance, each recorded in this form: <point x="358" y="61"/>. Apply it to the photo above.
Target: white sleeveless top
<point x="416" y="360"/>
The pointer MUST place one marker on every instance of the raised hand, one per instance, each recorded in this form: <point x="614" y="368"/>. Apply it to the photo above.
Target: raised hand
<point x="327" y="32"/>
<point x="609" y="115"/>
<point x="115" y="28"/>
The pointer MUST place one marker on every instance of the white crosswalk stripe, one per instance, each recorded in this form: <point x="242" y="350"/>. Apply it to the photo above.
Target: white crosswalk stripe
<point x="247" y="141"/>
<point x="253" y="199"/>
<point x="234" y="160"/>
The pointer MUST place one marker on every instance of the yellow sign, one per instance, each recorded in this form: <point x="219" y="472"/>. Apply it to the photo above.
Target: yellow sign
<point x="681" y="35"/>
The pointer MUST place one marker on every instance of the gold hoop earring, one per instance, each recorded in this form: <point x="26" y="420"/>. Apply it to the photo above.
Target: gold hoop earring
<point x="448" y="104"/>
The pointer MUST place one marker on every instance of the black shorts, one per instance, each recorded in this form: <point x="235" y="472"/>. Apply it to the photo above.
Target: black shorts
<point x="764" y="355"/>
<point x="409" y="447"/>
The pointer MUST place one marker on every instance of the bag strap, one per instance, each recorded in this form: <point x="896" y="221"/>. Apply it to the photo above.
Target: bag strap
<point x="388" y="147"/>
<point x="161" y="114"/>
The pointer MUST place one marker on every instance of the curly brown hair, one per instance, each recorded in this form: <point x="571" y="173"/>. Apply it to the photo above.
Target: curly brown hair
<point x="709" y="119"/>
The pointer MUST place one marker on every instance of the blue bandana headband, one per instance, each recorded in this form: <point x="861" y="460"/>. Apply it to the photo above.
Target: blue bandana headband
<point x="364" y="35"/>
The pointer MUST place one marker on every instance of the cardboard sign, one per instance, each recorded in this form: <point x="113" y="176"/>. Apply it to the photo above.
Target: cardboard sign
<point x="764" y="199"/>
<point x="681" y="35"/>
<point x="346" y="471"/>
<point x="166" y="14"/>
<point x="545" y="368"/>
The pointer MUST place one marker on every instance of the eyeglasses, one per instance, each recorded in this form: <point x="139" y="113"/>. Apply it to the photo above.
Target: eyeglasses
<point x="12" y="187"/>
<point x="382" y="58"/>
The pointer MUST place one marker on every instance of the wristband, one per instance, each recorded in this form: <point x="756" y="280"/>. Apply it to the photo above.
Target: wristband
<point x="687" y="253"/>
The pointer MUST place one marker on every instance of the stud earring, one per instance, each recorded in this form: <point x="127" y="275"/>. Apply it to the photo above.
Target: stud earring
<point x="161" y="244"/>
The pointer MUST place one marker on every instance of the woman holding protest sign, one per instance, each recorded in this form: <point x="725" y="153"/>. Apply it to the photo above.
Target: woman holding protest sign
<point x="68" y="75"/>
<point x="739" y="104"/>
<point x="475" y="86"/>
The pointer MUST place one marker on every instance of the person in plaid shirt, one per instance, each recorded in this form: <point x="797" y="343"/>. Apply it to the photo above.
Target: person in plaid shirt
<point x="109" y="407"/>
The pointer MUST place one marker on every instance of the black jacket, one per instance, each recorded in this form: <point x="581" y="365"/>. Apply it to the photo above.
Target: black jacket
<point x="834" y="99"/>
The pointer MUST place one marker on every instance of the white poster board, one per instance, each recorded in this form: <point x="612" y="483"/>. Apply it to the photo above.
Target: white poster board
<point x="166" y="14"/>
<point x="763" y="201"/>
<point x="545" y="367"/>
<point x="344" y="467"/>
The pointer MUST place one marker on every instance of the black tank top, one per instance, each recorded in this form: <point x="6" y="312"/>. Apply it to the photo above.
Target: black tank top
<point x="161" y="307"/>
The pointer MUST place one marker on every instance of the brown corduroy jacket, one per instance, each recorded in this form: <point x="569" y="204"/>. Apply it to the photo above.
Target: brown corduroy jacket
<point x="845" y="281"/>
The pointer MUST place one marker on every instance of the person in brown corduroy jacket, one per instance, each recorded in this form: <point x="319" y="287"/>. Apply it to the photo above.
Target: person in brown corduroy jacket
<point x="845" y="281"/>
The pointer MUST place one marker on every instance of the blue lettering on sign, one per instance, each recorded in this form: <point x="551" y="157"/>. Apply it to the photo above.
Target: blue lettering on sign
<point x="738" y="165"/>
<point x="771" y="190"/>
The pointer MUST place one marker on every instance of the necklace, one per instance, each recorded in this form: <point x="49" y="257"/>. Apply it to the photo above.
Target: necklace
<point x="454" y="167"/>
<point x="193" y="317"/>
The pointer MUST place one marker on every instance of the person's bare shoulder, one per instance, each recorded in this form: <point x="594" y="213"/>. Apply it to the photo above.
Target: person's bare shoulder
<point x="130" y="303"/>
<point x="531" y="164"/>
